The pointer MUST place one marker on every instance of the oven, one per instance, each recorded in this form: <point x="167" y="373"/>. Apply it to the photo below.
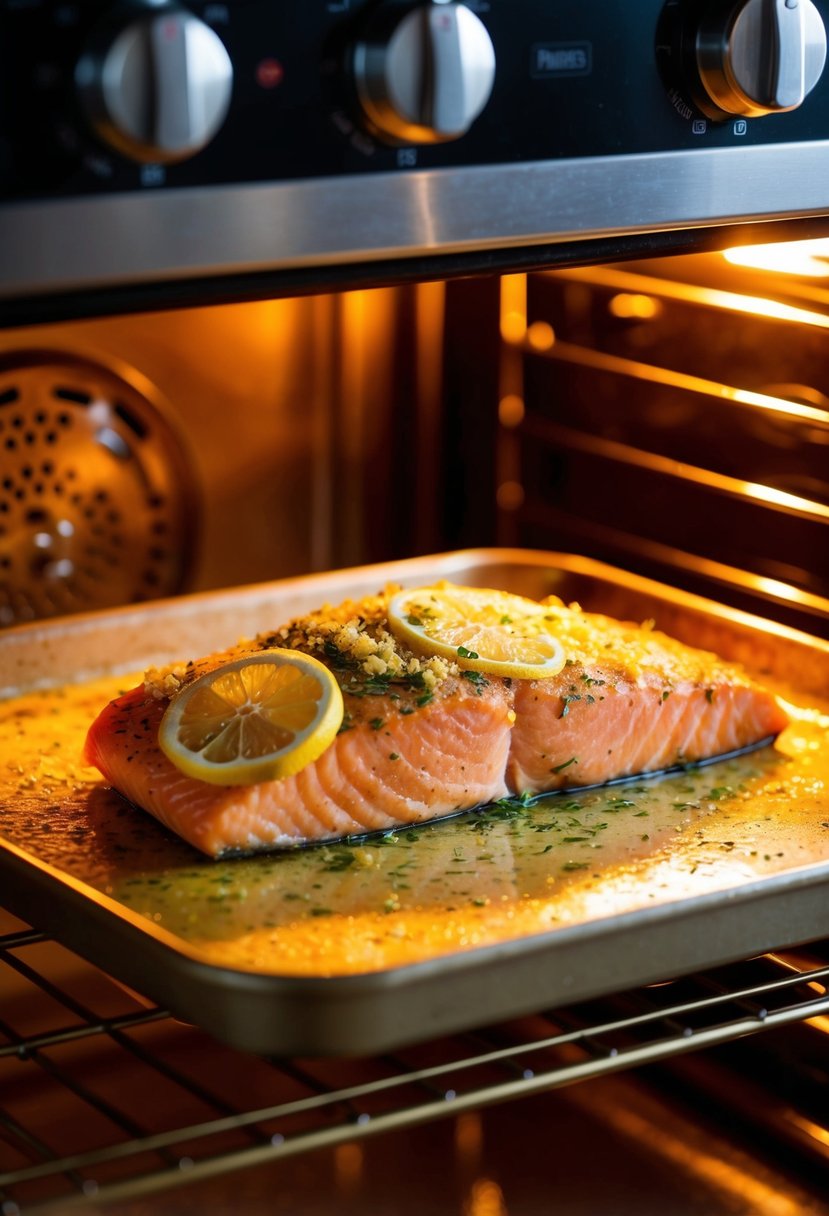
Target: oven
<point x="299" y="299"/>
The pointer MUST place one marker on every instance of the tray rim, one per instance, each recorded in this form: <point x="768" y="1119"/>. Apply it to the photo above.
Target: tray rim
<point x="204" y="979"/>
<point x="194" y="984"/>
<point x="441" y="565"/>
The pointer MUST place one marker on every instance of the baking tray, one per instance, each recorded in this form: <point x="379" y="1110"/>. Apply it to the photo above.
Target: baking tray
<point x="358" y="948"/>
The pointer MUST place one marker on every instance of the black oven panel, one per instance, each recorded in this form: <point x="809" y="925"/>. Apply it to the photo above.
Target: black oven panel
<point x="154" y="94"/>
<point x="194" y="150"/>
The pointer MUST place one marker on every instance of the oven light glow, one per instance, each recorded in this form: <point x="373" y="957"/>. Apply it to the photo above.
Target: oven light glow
<point x="809" y="259"/>
<point x="513" y="307"/>
<point x="737" y="1178"/>
<point x="634" y="306"/>
<point x="813" y="1130"/>
<point x="348" y="1164"/>
<point x="781" y="498"/>
<point x="511" y="410"/>
<point x="712" y="297"/>
<point x="540" y="336"/>
<point x="510" y="495"/>
<point x="486" y="1199"/>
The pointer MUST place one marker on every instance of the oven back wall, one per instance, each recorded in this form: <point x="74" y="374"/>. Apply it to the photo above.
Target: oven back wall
<point x="168" y="452"/>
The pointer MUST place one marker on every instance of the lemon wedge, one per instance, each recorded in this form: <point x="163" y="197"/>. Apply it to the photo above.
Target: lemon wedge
<point x="480" y="629"/>
<point x="257" y="718"/>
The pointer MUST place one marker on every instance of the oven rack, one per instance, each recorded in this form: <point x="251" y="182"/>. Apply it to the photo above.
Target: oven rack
<point x="68" y="1140"/>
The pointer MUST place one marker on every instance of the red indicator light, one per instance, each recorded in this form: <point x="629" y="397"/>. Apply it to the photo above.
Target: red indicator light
<point x="269" y="73"/>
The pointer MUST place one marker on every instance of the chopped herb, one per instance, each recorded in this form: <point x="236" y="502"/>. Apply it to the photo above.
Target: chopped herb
<point x="414" y="620"/>
<point x="720" y="791"/>
<point x="407" y="709"/>
<point x="618" y="804"/>
<point x="320" y="911"/>
<point x="574" y="839"/>
<point x="709" y="695"/>
<point x="393" y="756"/>
<point x="480" y="903"/>
<point x="546" y="849"/>
<point x="339" y="861"/>
<point x="505" y="808"/>
<point x="567" y="698"/>
<point x="559" y="768"/>
<point x="477" y="679"/>
<point x="463" y="653"/>
<point x="425" y="699"/>
<point x="506" y="620"/>
<point x="589" y="680"/>
<point x="666" y="694"/>
<point x="338" y="659"/>
<point x="376" y="723"/>
<point x="575" y="865"/>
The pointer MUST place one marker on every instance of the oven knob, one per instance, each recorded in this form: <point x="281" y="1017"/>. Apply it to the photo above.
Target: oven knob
<point x="760" y="56"/>
<point x="156" y="88"/>
<point x="424" y="74"/>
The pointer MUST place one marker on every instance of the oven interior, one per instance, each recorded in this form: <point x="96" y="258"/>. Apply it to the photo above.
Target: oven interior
<point x="670" y="417"/>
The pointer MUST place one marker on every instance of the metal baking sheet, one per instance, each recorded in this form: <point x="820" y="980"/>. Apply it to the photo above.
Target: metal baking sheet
<point x="359" y="947"/>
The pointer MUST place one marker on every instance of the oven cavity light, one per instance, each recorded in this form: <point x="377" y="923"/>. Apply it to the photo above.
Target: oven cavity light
<point x="808" y="259"/>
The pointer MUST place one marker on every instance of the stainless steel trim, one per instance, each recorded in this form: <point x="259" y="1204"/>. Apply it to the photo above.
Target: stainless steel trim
<point x="150" y="236"/>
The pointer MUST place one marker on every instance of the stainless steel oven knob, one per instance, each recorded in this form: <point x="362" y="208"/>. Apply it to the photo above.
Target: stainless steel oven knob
<point x="158" y="88"/>
<point x="761" y="56"/>
<point x="424" y="74"/>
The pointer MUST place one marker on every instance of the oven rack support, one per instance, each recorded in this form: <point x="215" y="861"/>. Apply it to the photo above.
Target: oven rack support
<point x="319" y="1103"/>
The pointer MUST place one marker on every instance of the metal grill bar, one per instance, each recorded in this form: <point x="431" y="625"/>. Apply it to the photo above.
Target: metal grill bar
<point x="111" y="1029"/>
<point x="505" y="1062"/>
<point x="69" y="1034"/>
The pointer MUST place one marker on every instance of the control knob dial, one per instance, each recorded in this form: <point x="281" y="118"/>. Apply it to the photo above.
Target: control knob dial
<point x="156" y="85"/>
<point x="424" y="73"/>
<point x="760" y="56"/>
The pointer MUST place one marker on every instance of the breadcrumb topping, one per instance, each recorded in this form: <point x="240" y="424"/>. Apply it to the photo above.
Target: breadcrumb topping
<point x="161" y="683"/>
<point x="355" y="635"/>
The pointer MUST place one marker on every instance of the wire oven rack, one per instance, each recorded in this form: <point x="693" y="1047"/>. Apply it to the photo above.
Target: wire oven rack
<point x="76" y="1127"/>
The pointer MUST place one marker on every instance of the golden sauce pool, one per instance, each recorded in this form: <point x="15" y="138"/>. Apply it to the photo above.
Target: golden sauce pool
<point x="506" y="871"/>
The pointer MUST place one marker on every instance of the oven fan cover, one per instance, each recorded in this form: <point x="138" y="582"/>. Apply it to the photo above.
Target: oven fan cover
<point x="96" y="497"/>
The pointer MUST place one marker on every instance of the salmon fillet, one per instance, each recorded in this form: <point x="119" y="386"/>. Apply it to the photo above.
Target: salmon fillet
<point x="424" y="741"/>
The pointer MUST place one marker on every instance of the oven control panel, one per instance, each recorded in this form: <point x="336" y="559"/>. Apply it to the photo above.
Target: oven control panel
<point x="334" y="130"/>
<point x="153" y="93"/>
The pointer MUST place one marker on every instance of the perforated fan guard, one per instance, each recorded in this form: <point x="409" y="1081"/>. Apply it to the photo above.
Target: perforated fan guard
<point x="96" y="496"/>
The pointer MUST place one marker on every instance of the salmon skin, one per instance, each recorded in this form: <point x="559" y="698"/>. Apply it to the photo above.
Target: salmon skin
<point x="423" y="740"/>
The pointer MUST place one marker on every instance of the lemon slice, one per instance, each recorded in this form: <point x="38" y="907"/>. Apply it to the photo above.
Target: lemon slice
<point x="480" y="629"/>
<point x="257" y="718"/>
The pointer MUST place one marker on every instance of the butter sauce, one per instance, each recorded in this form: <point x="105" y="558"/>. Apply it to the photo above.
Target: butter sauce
<point x="489" y="876"/>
